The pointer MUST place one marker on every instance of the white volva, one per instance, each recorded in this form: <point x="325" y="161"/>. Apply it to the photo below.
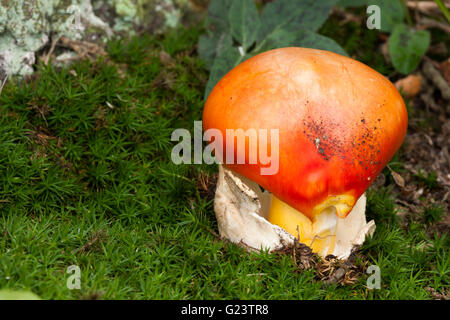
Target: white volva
<point x="242" y="209"/>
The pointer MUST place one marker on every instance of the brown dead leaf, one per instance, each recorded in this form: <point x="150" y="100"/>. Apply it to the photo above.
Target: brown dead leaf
<point x="417" y="194"/>
<point x="345" y="16"/>
<point x="397" y="178"/>
<point x="301" y="254"/>
<point x="39" y="107"/>
<point x="445" y="70"/>
<point x="199" y="5"/>
<point x="410" y="86"/>
<point x="84" y="49"/>
<point x="437" y="295"/>
<point x="344" y="272"/>
<point x="165" y="58"/>
<point x="165" y="79"/>
<point x="98" y="237"/>
<point x="401" y="211"/>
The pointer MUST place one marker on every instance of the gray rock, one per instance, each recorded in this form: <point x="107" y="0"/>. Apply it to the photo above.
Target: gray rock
<point x="26" y="26"/>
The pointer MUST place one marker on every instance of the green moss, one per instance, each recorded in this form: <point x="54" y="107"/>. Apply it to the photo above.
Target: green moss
<point x="429" y="180"/>
<point x="433" y="214"/>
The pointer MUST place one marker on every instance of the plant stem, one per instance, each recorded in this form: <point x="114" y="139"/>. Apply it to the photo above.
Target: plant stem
<point x="405" y="9"/>
<point x="444" y="9"/>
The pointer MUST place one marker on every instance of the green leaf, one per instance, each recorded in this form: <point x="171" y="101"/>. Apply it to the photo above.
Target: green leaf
<point x="244" y="22"/>
<point x="293" y="16"/>
<point x="216" y="19"/>
<point x="283" y="23"/>
<point x="392" y="13"/>
<point x="353" y="3"/>
<point x="210" y="46"/>
<point x="406" y="47"/>
<point x="227" y="59"/>
<point x="280" y="38"/>
<point x="317" y="41"/>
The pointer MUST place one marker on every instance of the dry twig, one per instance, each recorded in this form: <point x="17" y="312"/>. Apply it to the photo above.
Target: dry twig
<point x="426" y="23"/>
<point x="52" y="48"/>
<point x="2" y="84"/>
<point x="435" y="76"/>
<point x="84" y="49"/>
<point x="427" y="7"/>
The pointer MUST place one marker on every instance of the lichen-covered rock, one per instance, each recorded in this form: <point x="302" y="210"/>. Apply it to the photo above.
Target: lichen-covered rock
<point x="26" y="25"/>
<point x="152" y="15"/>
<point x="24" y="30"/>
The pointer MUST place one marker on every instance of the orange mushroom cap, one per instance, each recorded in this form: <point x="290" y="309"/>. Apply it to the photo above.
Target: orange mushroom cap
<point x="339" y="121"/>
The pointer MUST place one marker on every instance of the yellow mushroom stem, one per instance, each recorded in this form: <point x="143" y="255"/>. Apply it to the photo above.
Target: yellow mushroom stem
<point x="318" y="233"/>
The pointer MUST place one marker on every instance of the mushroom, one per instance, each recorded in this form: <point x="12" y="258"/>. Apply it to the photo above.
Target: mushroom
<point x="339" y="122"/>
